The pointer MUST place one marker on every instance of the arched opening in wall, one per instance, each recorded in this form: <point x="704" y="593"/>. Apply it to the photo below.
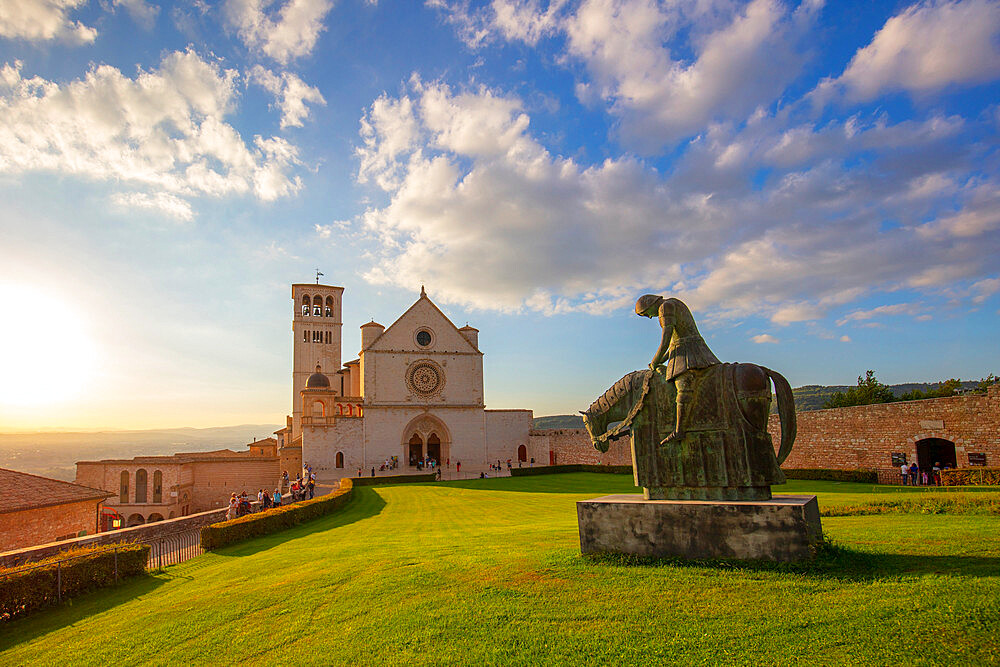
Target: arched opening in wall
<point x="305" y="305"/>
<point x="136" y="520"/>
<point x="936" y="451"/>
<point x="522" y="453"/>
<point x="318" y="409"/>
<point x="154" y="517"/>
<point x="171" y="515"/>
<point x="141" y="484"/>
<point x="329" y="306"/>
<point x="123" y="488"/>
<point x="434" y="447"/>
<point x="340" y="459"/>
<point x="317" y="305"/>
<point x="157" y="486"/>
<point x="416" y="452"/>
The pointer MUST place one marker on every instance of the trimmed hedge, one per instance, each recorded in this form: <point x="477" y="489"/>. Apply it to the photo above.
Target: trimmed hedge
<point x="26" y="588"/>
<point x="831" y="475"/>
<point x="971" y="477"/>
<point x="569" y="467"/>
<point x="394" y="479"/>
<point x="273" y="520"/>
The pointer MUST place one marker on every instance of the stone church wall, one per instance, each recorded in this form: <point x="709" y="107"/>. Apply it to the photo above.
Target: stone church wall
<point x="323" y="444"/>
<point x="506" y="430"/>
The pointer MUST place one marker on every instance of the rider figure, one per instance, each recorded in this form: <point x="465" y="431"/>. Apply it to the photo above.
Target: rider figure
<point x="682" y="349"/>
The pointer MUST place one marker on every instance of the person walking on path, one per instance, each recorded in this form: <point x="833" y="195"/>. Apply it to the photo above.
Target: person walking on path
<point x="904" y="470"/>
<point x="913" y="473"/>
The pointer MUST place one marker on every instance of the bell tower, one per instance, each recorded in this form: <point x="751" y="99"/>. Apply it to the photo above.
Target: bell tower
<point x="316" y="326"/>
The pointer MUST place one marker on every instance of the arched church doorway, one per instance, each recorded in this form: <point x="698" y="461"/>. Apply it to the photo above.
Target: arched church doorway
<point x="426" y="437"/>
<point x="434" y="447"/>
<point x="522" y="453"/>
<point x="416" y="452"/>
<point x="931" y="451"/>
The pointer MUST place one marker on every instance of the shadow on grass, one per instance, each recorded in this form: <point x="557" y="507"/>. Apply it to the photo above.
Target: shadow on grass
<point x="74" y="610"/>
<point x="365" y="503"/>
<point x="832" y="562"/>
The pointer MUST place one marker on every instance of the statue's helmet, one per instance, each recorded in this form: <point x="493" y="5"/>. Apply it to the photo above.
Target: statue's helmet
<point x="647" y="301"/>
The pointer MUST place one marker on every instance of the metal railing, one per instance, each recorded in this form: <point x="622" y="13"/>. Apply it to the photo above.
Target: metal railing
<point x="173" y="549"/>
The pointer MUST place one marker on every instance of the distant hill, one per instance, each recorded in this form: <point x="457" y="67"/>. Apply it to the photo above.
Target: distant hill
<point x="558" y="421"/>
<point x="813" y="396"/>
<point x="54" y="454"/>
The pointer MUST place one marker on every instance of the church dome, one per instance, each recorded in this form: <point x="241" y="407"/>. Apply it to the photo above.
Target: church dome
<point x="317" y="380"/>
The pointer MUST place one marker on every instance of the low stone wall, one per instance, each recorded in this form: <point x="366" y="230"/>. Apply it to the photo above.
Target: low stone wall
<point x="143" y="533"/>
<point x="572" y="445"/>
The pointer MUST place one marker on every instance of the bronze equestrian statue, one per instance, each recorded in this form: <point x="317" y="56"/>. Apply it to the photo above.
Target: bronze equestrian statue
<point x="698" y="427"/>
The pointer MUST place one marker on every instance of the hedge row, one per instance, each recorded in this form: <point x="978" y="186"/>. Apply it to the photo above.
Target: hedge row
<point x="26" y="588"/>
<point x="829" y="474"/>
<point x="971" y="477"/>
<point x="273" y="520"/>
<point x="569" y="467"/>
<point x="394" y="479"/>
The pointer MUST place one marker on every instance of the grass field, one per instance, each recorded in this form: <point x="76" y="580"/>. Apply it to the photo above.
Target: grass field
<point x="489" y="572"/>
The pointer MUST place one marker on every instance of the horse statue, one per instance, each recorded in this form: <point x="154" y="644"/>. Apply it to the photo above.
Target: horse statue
<point x="720" y="451"/>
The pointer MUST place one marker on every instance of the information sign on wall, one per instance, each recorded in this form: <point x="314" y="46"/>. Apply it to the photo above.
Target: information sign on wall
<point x="898" y="458"/>
<point x="977" y="459"/>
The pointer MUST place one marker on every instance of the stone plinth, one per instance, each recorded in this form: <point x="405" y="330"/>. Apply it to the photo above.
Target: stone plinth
<point x="784" y="528"/>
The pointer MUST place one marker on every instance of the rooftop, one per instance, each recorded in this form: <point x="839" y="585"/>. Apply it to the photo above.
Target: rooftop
<point x="23" y="491"/>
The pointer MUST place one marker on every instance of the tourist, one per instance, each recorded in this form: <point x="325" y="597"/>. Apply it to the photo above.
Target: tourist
<point x="233" y="503"/>
<point x="913" y="473"/>
<point x="359" y="472"/>
<point x="936" y="472"/>
<point x="904" y="470"/>
<point x="312" y="487"/>
<point x="924" y="475"/>
<point x="277" y="498"/>
<point x="458" y="466"/>
<point x="373" y="471"/>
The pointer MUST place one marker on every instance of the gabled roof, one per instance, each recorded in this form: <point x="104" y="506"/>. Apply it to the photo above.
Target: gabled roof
<point x="423" y="297"/>
<point x="23" y="491"/>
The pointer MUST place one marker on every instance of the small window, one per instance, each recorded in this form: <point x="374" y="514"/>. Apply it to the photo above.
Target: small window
<point x="340" y="459"/>
<point x="423" y="338"/>
<point x="123" y="493"/>
<point x="305" y="336"/>
<point x="157" y="486"/>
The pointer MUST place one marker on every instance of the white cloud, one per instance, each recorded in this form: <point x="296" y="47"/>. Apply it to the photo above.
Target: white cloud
<point x="984" y="289"/>
<point x="165" y="130"/>
<point x="929" y="46"/>
<point x="43" y="20"/>
<point x="141" y="11"/>
<point x="880" y="311"/>
<point x="764" y="338"/>
<point x="291" y="92"/>
<point x="283" y="31"/>
<point x="845" y="339"/>
<point x="160" y="202"/>
<point x="476" y="205"/>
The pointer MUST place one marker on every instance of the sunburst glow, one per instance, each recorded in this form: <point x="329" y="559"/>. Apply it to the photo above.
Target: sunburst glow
<point x="46" y="352"/>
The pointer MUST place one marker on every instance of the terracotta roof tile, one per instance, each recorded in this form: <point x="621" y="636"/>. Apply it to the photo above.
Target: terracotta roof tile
<point x="22" y="491"/>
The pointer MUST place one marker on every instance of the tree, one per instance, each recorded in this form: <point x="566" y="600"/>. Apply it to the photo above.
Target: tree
<point x="985" y="383"/>
<point x="946" y="388"/>
<point x="868" y="392"/>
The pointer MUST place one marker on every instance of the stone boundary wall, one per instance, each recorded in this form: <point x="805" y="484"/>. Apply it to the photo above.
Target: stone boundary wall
<point x="864" y="436"/>
<point x="144" y="533"/>
<point x="572" y="445"/>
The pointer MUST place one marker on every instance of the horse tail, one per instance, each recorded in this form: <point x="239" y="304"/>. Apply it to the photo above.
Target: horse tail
<point x="786" y="413"/>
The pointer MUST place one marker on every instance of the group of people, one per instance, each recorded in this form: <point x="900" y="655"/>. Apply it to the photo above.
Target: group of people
<point x="497" y="467"/>
<point x="913" y="475"/>
<point x="302" y="487"/>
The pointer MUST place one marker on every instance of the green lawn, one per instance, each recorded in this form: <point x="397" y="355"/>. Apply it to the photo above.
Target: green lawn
<point x="489" y="571"/>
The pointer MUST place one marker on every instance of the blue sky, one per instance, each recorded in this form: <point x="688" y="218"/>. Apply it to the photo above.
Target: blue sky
<point x="819" y="181"/>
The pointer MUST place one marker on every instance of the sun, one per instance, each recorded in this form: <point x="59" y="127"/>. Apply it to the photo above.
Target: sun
<point x="47" y="354"/>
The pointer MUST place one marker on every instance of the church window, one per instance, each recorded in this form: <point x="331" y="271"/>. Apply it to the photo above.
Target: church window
<point x="317" y="305"/>
<point x="140" y="486"/>
<point x="157" y="486"/>
<point x="329" y="306"/>
<point x="328" y="337"/>
<point x="305" y="336"/>
<point x="424" y="338"/>
<point x="123" y="491"/>
<point x="305" y="305"/>
<point x="340" y="459"/>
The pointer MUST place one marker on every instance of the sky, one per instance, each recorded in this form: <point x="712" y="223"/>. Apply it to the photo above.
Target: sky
<point x="818" y="181"/>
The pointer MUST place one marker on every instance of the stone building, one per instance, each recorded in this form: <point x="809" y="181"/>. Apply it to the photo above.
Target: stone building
<point x="414" y="393"/>
<point x="37" y="510"/>
<point x="153" y="488"/>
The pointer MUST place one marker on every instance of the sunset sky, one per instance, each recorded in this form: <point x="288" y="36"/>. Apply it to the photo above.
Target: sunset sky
<point x="820" y="182"/>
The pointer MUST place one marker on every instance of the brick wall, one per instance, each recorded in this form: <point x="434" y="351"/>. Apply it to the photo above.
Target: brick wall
<point x="865" y="436"/>
<point x="47" y="524"/>
<point x="572" y="445"/>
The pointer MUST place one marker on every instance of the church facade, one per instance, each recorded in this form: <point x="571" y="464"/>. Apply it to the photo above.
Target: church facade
<point x="414" y="393"/>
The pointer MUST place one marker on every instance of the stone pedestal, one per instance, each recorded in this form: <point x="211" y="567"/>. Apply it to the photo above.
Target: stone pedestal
<point x="784" y="528"/>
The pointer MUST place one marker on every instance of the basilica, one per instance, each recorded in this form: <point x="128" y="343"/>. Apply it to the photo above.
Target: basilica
<point x="413" y="394"/>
